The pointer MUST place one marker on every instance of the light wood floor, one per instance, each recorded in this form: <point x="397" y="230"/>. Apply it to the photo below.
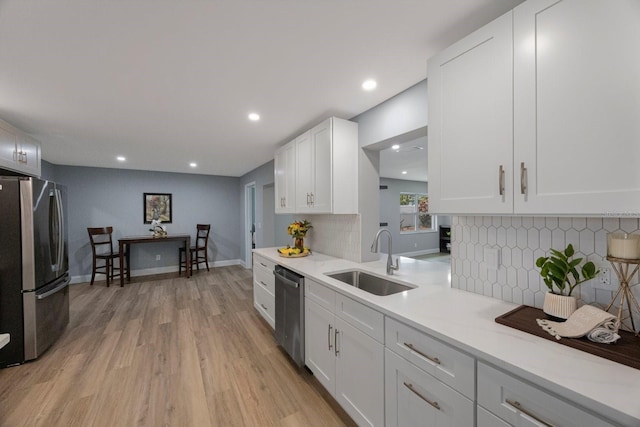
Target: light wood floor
<point x="165" y="352"/>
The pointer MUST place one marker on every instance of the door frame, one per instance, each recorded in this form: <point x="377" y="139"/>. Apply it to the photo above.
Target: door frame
<point x="249" y="209"/>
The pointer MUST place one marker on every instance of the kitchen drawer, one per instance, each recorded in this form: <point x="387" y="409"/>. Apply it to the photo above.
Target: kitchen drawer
<point x="487" y="419"/>
<point x="265" y="303"/>
<point x="451" y="366"/>
<point x="262" y="264"/>
<point x="519" y="403"/>
<point x="264" y="280"/>
<point x="320" y="294"/>
<point x="415" y="398"/>
<point x="361" y="317"/>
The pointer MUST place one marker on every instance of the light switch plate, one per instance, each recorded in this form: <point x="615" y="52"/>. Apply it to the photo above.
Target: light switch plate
<point x="492" y="258"/>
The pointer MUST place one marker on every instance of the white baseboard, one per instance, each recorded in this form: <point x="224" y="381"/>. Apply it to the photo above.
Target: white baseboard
<point x="422" y="252"/>
<point x="156" y="270"/>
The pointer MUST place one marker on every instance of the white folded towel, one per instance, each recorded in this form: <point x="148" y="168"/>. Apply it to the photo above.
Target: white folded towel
<point x="597" y="324"/>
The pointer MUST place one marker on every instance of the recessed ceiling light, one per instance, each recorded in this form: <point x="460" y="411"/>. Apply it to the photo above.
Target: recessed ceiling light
<point x="404" y="172"/>
<point x="121" y="158"/>
<point x="254" y="117"/>
<point x="193" y="165"/>
<point x="369" y="84"/>
<point x="395" y="147"/>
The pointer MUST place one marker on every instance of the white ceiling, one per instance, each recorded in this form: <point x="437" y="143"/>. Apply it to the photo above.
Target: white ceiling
<point x="410" y="157"/>
<point x="168" y="82"/>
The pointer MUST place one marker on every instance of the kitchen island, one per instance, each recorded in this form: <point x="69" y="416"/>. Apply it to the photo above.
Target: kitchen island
<point x="466" y="321"/>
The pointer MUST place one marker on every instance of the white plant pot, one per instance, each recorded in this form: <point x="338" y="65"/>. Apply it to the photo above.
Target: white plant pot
<point x="559" y="306"/>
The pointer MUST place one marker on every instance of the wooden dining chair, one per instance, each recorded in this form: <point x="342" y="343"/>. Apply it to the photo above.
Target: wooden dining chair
<point x="199" y="252"/>
<point x="103" y="255"/>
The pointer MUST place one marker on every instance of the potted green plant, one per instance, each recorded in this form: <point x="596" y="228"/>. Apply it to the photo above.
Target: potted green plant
<point x="561" y="275"/>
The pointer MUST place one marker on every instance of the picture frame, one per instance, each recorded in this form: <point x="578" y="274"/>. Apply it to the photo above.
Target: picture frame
<point x="157" y="206"/>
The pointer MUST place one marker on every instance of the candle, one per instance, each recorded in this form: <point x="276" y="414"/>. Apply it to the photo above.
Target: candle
<point x="623" y="245"/>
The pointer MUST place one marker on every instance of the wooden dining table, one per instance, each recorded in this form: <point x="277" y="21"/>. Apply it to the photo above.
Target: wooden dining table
<point x="124" y="244"/>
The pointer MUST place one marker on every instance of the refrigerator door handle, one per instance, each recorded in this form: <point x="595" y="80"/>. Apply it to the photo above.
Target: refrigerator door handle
<point x="60" y="229"/>
<point x="58" y="288"/>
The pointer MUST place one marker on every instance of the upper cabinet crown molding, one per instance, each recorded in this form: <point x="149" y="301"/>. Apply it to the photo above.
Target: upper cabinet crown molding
<point x="18" y="151"/>
<point x="324" y="165"/>
<point x="568" y="142"/>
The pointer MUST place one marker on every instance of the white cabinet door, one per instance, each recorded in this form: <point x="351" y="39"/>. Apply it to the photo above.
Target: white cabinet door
<point x="8" y="147"/>
<point x="322" y="180"/>
<point x="319" y="343"/>
<point x="28" y="155"/>
<point x="415" y="398"/>
<point x="285" y="178"/>
<point x="470" y="95"/>
<point x="359" y="375"/>
<point x="304" y="172"/>
<point x="577" y="104"/>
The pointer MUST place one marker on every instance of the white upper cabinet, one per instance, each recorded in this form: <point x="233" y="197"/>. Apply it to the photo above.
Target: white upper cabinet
<point x="18" y="151"/>
<point x="285" y="178"/>
<point x="470" y="123"/>
<point x="577" y="106"/>
<point x="560" y="116"/>
<point x="326" y="169"/>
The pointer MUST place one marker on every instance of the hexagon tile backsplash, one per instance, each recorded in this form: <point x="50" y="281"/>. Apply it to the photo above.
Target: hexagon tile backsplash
<point x="521" y="241"/>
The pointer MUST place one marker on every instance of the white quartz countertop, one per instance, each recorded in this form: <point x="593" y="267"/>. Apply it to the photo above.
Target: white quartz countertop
<point x="4" y="340"/>
<point x="467" y="321"/>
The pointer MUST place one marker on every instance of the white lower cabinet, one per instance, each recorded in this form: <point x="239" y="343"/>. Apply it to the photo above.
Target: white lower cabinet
<point x="427" y="382"/>
<point x="346" y="360"/>
<point x="264" y="299"/>
<point x="415" y="398"/>
<point x="521" y="404"/>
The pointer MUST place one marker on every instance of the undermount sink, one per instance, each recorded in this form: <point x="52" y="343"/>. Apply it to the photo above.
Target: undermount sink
<point x="369" y="283"/>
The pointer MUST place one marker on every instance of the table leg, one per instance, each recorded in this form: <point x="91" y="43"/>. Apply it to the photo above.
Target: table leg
<point x="127" y="248"/>
<point x="187" y="250"/>
<point x="121" y="249"/>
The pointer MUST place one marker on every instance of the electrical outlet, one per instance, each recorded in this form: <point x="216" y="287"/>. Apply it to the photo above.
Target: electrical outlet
<point x="603" y="280"/>
<point x="157" y="257"/>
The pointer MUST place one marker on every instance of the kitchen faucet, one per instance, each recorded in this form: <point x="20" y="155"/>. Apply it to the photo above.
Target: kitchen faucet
<point x="374" y="249"/>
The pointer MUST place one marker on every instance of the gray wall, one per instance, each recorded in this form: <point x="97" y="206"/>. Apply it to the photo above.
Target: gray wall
<point x="390" y="213"/>
<point x="403" y="114"/>
<point x="276" y="224"/>
<point x="99" y="197"/>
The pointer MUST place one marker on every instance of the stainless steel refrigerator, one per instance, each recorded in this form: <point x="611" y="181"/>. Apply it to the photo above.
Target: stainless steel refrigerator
<point x="34" y="267"/>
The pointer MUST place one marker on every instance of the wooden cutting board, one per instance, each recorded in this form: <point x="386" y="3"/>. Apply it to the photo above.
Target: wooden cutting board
<point x="626" y="350"/>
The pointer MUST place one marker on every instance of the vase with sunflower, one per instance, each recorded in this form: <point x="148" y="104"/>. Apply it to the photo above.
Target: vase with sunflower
<point x="298" y="230"/>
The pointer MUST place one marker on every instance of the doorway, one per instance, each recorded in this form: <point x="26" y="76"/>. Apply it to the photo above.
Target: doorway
<point x="250" y="222"/>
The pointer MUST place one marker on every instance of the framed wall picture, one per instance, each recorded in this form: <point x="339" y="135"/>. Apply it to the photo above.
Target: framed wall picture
<point x="157" y="206"/>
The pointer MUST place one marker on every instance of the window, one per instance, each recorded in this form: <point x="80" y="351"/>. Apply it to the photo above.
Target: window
<point x="414" y="213"/>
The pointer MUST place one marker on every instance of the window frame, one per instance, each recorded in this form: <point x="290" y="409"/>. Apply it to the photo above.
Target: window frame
<point x="416" y="214"/>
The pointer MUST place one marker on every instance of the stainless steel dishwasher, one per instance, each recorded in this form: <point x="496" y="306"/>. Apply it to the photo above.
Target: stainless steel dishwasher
<point x="290" y="313"/>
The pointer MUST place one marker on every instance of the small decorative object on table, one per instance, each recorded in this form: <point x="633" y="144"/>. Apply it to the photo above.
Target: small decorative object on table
<point x="298" y="230"/>
<point x="157" y="229"/>
<point x="560" y="273"/>
<point x="623" y="252"/>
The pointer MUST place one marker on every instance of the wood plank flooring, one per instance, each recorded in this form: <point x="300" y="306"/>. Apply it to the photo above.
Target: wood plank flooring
<point x="166" y="351"/>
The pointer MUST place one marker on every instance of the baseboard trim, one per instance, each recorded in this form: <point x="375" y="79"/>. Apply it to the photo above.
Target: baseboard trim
<point x="156" y="270"/>
<point x="418" y="253"/>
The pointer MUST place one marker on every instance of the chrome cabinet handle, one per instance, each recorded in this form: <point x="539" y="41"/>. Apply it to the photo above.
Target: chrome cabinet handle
<point x="263" y="264"/>
<point x="523" y="179"/>
<point x="501" y="180"/>
<point x="313" y="199"/>
<point x="417" y="393"/>
<point x="517" y="405"/>
<point x="329" y="337"/>
<point x="263" y="284"/>
<point x="335" y="342"/>
<point x="412" y="348"/>
<point x="264" y="307"/>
